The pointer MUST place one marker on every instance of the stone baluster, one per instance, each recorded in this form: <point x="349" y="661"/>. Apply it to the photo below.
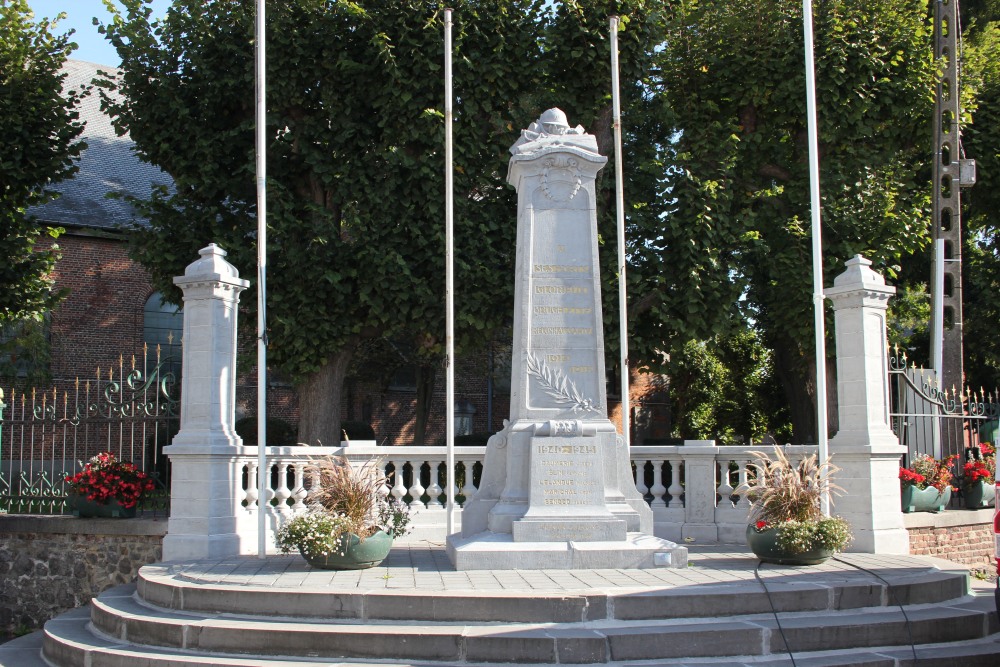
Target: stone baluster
<point x="658" y="489"/>
<point x="299" y="490"/>
<point x="416" y="489"/>
<point x="469" y="488"/>
<point x="640" y="477"/>
<point x="434" y="489"/>
<point x="251" y="493"/>
<point x="398" y="488"/>
<point x="744" y="501"/>
<point x="725" y="489"/>
<point x="282" y="493"/>
<point x="383" y="489"/>
<point x="676" y="489"/>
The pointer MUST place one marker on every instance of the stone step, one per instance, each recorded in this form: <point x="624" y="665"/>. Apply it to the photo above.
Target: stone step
<point x="158" y="587"/>
<point x="119" y="615"/>
<point x="69" y="641"/>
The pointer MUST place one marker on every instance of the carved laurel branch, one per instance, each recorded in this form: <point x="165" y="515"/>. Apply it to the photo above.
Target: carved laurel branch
<point x="558" y="386"/>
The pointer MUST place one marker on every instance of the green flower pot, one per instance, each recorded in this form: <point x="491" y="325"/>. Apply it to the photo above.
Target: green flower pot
<point x="979" y="495"/>
<point x="358" y="555"/>
<point x="88" y="509"/>
<point x="764" y="545"/>
<point x="924" y="500"/>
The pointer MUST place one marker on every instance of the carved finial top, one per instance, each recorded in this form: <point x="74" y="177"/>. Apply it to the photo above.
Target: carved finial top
<point x="859" y="273"/>
<point x="211" y="265"/>
<point x="552" y="128"/>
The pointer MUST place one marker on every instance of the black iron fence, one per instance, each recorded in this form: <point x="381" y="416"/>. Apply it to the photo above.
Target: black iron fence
<point x="130" y="409"/>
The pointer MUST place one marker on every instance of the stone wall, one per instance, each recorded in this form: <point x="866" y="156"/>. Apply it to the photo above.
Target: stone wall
<point x="51" y="564"/>
<point x="961" y="536"/>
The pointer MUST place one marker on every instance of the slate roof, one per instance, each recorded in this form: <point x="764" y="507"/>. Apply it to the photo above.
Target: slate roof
<point x="107" y="165"/>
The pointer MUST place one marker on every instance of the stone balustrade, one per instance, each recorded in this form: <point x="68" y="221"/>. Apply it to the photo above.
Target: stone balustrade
<point x="697" y="503"/>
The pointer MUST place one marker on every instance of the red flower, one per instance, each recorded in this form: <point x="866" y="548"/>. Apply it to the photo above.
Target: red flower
<point x="761" y="525"/>
<point x="104" y="478"/>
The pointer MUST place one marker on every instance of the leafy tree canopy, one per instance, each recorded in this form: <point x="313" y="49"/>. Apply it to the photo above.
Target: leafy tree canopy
<point x="39" y="144"/>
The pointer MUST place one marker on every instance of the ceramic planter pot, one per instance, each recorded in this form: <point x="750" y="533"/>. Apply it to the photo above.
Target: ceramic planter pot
<point x="924" y="500"/>
<point x="358" y="555"/>
<point x="88" y="509"/>
<point x="979" y="495"/>
<point x="764" y="545"/>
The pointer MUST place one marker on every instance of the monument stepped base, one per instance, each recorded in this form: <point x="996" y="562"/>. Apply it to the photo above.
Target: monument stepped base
<point x="416" y="610"/>
<point x="498" y="551"/>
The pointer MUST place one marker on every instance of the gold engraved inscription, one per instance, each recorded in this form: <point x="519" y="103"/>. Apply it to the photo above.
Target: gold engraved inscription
<point x="560" y="268"/>
<point x="570" y="331"/>
<point x="566" y="449"/>
<point x="560" y="289"/>
<point x="561" y="310"/>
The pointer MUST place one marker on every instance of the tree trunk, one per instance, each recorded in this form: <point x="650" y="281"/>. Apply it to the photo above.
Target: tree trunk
<point x="320" y="397"/>
<point x="425" y="392"/>
<point x="798" y="379"/>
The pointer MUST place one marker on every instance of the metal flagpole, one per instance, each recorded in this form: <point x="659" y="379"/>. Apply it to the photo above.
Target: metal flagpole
<point x="817" y="247"/>
<point x="620" y="203"/>
<point x="449" y="236"/>
<point x="261" y="135"/>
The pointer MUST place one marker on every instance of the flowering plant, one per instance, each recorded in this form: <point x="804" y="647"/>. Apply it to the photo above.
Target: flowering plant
<point x="786" y="498"/>
<point x="927" y="471"/>
<point x="104" y="478"/>
<point x="982" y="468"/>
<point x="344" y="501"/>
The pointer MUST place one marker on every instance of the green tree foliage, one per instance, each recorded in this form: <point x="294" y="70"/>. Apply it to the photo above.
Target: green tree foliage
<point x="733" y="73"/>
<point x="981" y="203"/>
<point x="39" y="144"/>
<point x="355" y="137"/>
<point x="724" y="389"/>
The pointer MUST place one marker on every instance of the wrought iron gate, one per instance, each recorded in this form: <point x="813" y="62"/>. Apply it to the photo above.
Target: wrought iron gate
<point x="129" y="409"/>
<point x="932" y="420"/>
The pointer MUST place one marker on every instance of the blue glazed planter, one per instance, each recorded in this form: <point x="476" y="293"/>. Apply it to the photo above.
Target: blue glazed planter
<point x="924" y="500"/>
<point x="88" y="509"/>
<point x="979" y="495"/>
<point x="358" y="555"/>
<point x="764" y="545"/>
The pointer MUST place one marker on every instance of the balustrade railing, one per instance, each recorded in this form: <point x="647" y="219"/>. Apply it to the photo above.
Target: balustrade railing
<point x="690" y="488"/>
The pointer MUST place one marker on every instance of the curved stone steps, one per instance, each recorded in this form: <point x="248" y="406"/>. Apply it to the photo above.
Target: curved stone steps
<point x="120" y="618"/>
<point x="157" y="586"/>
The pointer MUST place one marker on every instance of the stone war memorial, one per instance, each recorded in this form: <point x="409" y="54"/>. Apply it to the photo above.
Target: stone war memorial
<point x="557" y="489"/>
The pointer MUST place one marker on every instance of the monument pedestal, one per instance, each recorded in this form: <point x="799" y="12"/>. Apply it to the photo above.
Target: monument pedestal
<point x="499" y="551"/>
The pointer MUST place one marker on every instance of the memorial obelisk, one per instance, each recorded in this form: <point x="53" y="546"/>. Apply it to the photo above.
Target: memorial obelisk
<point x="557" y="488"/>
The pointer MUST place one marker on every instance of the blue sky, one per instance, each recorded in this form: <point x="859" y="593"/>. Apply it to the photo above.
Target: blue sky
<point x="79" y="15"/>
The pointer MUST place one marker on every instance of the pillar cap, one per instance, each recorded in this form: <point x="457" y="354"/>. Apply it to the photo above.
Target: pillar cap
<point x="859" y="275"/>
<point x="211" y="265"/>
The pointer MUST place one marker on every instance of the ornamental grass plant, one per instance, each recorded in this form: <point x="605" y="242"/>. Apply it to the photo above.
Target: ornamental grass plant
<point x="344" y="500"/>
<point x="786" y="497"/>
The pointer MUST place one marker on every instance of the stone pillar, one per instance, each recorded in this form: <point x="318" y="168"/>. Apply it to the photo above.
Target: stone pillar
<point x="205" y="514"/>
<point x="700" y="484"/>
<point x="865" y="448"/>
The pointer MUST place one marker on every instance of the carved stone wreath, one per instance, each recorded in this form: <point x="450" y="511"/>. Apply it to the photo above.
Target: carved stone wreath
<point x="561" y="164"/>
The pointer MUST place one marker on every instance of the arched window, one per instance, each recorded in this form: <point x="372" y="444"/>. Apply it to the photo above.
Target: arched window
<point x="163" y="325"/>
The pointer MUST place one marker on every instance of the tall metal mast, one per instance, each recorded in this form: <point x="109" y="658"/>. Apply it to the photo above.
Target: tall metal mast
<point x="951" y="173"/>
